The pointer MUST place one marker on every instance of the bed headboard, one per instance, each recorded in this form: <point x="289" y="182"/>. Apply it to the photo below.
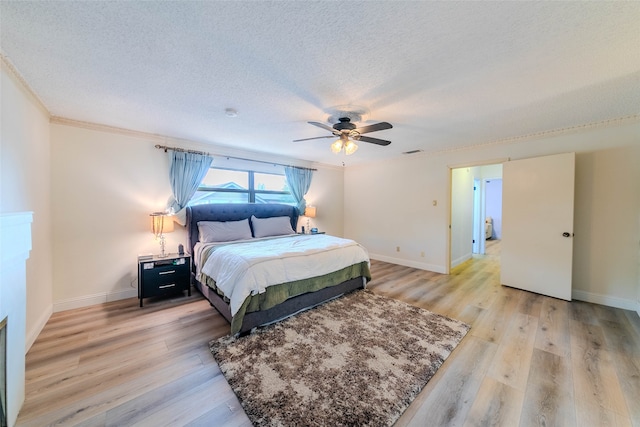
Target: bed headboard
<point x="234" y="212"/>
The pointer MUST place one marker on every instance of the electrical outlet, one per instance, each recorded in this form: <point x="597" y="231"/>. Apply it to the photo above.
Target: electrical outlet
<point x="422" y="254"/>
<point x="397" y="248"/>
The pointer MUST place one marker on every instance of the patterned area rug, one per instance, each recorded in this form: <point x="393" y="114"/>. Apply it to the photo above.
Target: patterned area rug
<point x="355" y="361"/>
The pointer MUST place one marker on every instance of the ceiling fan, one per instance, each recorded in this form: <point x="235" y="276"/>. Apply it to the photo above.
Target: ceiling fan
<point x="348" y="133"/>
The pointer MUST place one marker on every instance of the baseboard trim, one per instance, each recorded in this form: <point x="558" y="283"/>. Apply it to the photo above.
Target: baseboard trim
<point x="623" y="303"/>
<point x="408" y="263"/>
<point x="88" y="300"/>
<point x="32" y="335"/>
<point x="460" y="260"/>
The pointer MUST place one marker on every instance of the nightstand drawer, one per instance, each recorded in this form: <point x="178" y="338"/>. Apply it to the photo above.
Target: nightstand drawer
<point x="166" y="273"/>
<point x="156" y="284"/>
<point x="164" y="288"/>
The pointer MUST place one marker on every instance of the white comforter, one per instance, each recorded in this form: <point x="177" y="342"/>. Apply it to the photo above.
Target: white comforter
<point x="248" y="268"/>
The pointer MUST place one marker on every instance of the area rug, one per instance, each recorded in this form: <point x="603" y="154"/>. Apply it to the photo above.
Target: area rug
<point x="359" y="360"/>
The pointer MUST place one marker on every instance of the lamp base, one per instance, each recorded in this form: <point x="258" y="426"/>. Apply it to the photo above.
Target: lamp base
<point x="163" y="242"/>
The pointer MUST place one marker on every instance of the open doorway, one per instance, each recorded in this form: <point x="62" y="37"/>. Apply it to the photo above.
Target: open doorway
<point x="476" y="212"/>
<point x="493" y="215"/>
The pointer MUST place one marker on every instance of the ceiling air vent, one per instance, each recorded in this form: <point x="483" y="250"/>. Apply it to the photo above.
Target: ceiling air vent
<point x="413" y="152"/>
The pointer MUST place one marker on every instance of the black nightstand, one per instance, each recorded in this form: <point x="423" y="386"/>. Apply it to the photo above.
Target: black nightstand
<point x="161" y="276"/>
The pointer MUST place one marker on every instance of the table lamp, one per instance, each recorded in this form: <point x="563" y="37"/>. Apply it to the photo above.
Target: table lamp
<point x="309" y="212"/>
<point x="161" y="223"/>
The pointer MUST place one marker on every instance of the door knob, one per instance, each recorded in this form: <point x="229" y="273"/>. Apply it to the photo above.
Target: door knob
<point x="565" y="234"/>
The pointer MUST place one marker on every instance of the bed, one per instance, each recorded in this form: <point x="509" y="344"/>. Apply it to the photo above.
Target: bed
<point x="307" y="269"/>
<point x="488" y="228"/>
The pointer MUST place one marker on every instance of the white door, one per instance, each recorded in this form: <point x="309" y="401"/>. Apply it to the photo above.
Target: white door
<point x="537" y="224"/>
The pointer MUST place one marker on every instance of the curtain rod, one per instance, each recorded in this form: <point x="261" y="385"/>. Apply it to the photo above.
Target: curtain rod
<point x="182" y="150"/>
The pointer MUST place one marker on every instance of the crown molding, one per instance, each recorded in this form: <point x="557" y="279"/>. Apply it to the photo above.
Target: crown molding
<point x="22" y="83"/>
<point x="631" y="119"/>
<point x="57" y="120"/>
<point x="215" y="150"/>
<point x="620" y="121"/>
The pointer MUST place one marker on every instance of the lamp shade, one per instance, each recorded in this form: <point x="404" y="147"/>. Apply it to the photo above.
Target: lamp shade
<point x="161" y="223"/>
<point x="310" y="212"/>
<point x="350" y="147"/>
<point x="336" y="147"/>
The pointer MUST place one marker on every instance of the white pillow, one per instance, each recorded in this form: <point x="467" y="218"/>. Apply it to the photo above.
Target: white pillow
<point x="274" y="226"/>
<point x="223" y="231"/>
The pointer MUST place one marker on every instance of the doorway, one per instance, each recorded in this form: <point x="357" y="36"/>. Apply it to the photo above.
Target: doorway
<point x="476" y="212"/>
<point x="493" y="208"/>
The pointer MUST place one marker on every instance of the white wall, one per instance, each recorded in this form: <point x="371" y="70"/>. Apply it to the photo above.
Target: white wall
<point x="25" y="186"/>
<point x="606" y="227"/>
<point x="104" y="185"/>
<point x="327" y="195"/>
<point x="391" y="204"/>
<point x="400" y="212"/>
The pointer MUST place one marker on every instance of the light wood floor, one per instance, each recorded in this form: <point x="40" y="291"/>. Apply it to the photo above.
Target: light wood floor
<point x="528" y="359"/>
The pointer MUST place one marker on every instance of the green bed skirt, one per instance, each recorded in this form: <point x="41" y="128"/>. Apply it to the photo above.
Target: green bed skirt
<point x="277" y="294"/>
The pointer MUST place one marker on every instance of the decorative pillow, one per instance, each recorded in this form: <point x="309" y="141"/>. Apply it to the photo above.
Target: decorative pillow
<point x="274" y="226"/>
<point x="227" y="231"/>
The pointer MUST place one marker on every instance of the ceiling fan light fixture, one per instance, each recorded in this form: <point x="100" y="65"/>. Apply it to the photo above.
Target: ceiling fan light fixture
<point x="336" y="147"/>
<point x="349" y="134"/>
<point x="350" y="147"/>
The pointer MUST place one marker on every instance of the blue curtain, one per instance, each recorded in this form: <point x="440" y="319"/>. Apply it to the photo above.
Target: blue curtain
<point x="186" y="171"/>
<point x="299" y="181"/>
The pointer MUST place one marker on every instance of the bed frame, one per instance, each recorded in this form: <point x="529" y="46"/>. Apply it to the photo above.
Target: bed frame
<point x="237" y="212"/>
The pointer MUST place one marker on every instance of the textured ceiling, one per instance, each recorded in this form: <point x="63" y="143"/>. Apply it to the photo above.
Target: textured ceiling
<point x="447" y="75"/>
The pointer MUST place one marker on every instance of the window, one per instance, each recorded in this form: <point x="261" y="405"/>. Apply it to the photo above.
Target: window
<point x="222" y="185"/>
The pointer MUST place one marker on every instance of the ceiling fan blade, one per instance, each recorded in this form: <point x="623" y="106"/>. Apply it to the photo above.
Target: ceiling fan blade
<point x="323" y="126"/>
<point x="317" y="137"/>
<point x="373" y="128"/>
<point x="372" y="140"/>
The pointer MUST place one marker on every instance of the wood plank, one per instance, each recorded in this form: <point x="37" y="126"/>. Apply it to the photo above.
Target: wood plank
<point x="511" y="363"/>
<point x="496" y="404"/>
<point x="494" y="321"/>
<point x="447" y="398"/>
<point x="470" y="314"/>
<point x="548" y="398"/>
<point x="623" y="347"/>
<point x="531" y="304"/>
<point x="211" y="393"/>
<point x="57" y="366"/>
<point x="137" y="409"/>
<point x="634" y="320"/>
<point x="595" y="378"/>
<point x="553" y="333"/>
<point x="583" y="312"/>
<point x="229" y="413"/>
<point x="620" y="337"/>
<point x="97" y="397"/>
<point x="103" y="367"/>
